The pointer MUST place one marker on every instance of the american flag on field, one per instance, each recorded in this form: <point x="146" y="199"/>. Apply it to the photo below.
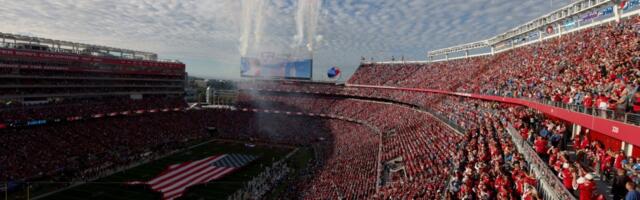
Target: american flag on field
<point x="173" y="181"/>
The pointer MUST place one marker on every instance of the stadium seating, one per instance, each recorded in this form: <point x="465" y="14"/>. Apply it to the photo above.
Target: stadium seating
<point x="82" y="149"/>
<point x="388" y="150"/>
<point x="595" y="68"/>
<point x="423" y="144"/>
<point x="86" y="108"/>
<point x="483" y="119"/>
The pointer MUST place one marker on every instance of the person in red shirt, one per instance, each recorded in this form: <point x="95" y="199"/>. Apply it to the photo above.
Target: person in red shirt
<point x="602" y="103"/>
<point x="605" y="165"/>
<point x="553" y="156"/>
<point x="599" y="196"/>
<point x="567" y="176"/>
<point x="576" y="142"/>
<point x="524" y="132"/>
<point x="586" y="186"/>
<point x="588" y="103"/>
<point x="566" y="99"/>
<point x="617" y="163"/>
<point x="585" y="142"/>
<point x="541" y="147"/>
<point x="501" y="181"/>
<point x="530" y="193"/>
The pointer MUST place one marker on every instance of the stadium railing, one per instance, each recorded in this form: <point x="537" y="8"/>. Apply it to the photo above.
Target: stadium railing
<point x="616" y="129"/>
<point x="550" y="185"/>
<point x="626" y="117"/>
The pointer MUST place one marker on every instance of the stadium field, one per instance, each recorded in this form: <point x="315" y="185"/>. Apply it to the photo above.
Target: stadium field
<point x="113" y="187"/>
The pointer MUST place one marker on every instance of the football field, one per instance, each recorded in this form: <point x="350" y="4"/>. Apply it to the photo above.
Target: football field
<point x="114" y="187"/>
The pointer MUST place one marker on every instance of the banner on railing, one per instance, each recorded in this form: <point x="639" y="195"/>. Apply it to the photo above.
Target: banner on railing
<point x="606" y="11"/>
<point x="589" y="16"/>
<point x="628" y="5"/>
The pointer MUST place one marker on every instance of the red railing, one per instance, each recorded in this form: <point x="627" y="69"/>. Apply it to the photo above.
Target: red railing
<point x="619" y="130"/>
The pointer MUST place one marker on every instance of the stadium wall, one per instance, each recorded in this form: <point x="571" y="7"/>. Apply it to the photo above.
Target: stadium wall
<point x="618" y="130"/>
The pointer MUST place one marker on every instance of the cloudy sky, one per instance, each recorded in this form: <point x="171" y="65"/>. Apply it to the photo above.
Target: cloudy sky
<point x="205" y="34"/>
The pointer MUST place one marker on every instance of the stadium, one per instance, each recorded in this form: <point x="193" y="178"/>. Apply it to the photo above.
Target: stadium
<point x="548" y="110"/>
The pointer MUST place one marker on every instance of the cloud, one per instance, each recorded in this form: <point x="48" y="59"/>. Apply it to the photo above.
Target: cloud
<point x="204" y="33"/>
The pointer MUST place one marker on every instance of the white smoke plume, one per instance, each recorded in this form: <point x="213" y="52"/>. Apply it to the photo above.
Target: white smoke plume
<point x="247" y="18"/>
<point x="258" y="31"/>
<point x="306" y="23"/>
<point x="314" y="13"/>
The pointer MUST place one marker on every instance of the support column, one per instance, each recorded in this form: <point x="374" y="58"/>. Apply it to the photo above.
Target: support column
<point x="540" y="35"/>
<point x="616" y="12"/>
<point x="576" y="131"/>
<point x="559" y="28"/>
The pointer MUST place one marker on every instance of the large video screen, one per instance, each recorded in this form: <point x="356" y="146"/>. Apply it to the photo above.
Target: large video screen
<point x="276" y="67"/>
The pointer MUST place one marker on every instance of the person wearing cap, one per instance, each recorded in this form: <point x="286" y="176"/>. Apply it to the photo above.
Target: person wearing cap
<point x="586" y="186"/>
<point x="632" y="193"/>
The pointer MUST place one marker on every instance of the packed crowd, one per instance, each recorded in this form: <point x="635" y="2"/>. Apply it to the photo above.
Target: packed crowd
<point x="489" y="167"/>
<point x="577" y="159"/>
<point x="346" y="165"/>
<point x="11" y="112"/>
<point x="487" y="122"/>
<point x="413" y="142"/>
<point x="80" y="150"/>
<point x="594" y="68"/>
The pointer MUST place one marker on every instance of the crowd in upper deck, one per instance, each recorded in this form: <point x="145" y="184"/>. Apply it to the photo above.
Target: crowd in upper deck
<point x="594" y="68"/>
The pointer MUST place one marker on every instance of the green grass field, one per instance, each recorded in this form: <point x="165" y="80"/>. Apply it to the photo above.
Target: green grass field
<point x="112" y="187"/>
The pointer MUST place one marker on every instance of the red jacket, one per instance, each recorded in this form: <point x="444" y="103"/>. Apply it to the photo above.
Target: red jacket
<point x="617" y="163"/>
<point x="588" y="101"/>
<point x="586" y="190"/>
<point x="541" y="146"/>
<point x="567" y="181"/>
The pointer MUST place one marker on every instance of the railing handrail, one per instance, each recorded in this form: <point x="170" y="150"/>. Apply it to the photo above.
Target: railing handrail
<point x="552" y="187"/>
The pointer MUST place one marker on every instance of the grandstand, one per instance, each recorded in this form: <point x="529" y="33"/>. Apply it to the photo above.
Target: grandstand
<point x="548" y="110"/>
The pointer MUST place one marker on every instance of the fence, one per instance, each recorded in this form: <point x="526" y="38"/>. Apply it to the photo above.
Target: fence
<point x="549" y="185"/>
<point x="616" y="115"/>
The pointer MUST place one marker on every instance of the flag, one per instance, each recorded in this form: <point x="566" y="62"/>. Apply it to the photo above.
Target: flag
<point x="173" y="181"/>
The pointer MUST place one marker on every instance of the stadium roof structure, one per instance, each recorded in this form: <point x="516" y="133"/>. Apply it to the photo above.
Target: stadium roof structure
<point x="14" y="40"/>
<point x="459" y="48"/>
<point x="573" y="17"/>
<point x="563" y="13"/>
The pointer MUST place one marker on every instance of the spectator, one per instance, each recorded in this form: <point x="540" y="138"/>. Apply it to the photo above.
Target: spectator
<point x="618" y="184"/>
<point x="632" y="193"/>
<point x="586" y="186"/>
<point x="636" y="102"/>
